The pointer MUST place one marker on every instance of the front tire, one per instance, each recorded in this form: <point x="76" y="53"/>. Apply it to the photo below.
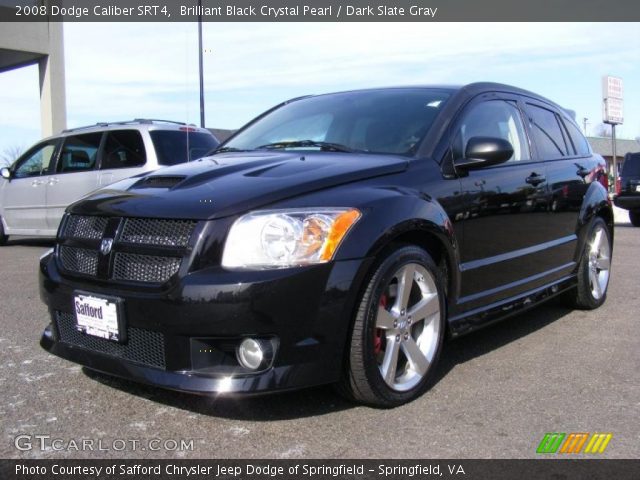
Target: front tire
<point x="634" y="217"/>
<point x="594" y="268"/>
<point x="398" y="331"/>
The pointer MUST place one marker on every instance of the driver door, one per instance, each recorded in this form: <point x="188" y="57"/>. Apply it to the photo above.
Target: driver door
<point x="505" y="222"/>
<point x="24" y="196"/>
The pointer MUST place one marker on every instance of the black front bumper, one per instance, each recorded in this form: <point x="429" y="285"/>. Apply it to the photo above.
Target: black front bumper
<point x="183" y="336"/>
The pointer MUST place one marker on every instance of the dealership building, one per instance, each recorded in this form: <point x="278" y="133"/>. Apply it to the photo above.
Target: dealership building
<point x="604" y="146"/>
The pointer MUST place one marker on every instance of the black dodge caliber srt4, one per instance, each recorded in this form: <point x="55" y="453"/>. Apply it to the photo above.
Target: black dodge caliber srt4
<point x="336" y="238"/>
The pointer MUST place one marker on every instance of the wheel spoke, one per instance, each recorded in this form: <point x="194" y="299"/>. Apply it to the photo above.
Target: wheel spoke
<point x="603" y="263"/>
<point x="385" y="319"/>
<point x="425" y="308"/>
<point x="405" y="282"/>
<point x="595" y="281"/>
<point x="390" y="361"/>
<point x="597" y="240"/>
<point x="415" y="356"/>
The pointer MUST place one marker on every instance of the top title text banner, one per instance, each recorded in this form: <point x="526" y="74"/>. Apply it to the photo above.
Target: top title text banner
<point x="317" y="10"/>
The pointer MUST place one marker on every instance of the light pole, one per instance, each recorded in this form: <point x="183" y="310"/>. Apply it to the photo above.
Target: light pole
<point x="200" y="63"/>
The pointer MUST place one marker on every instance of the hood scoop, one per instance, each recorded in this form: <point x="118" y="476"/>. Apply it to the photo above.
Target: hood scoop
<point x="158" y="181"/>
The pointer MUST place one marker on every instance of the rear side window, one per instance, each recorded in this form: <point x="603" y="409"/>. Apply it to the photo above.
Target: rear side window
<point x="123" y="149"/>
<point x="579" y="142"/>
<point x="173" y="146"/>
<point x="79" y="153"/>
<point x="547" y="133"/>
<point x="631" y="165"/>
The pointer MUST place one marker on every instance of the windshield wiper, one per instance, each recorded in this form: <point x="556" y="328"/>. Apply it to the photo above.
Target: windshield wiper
<point x="225" y="149"/>
<point x="334" y="147"/>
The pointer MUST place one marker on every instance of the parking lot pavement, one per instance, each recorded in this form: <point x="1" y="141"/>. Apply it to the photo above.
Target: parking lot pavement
<point x="499" y="390"/>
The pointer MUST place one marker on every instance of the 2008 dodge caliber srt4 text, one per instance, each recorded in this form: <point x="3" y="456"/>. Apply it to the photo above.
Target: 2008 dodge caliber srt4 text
<point x="334" y="239"/>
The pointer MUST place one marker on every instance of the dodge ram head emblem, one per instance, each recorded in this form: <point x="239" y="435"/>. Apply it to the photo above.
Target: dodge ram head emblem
<point x="105" y="246"/>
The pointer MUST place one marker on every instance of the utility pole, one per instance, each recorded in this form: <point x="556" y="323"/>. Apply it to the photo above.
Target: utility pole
<point x="200" y="62"/>
<point x="585" y="121"/>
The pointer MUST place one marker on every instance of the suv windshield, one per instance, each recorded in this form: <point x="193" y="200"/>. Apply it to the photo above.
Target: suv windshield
<point x="377" y="121"/>
<point x="174" y="146"/>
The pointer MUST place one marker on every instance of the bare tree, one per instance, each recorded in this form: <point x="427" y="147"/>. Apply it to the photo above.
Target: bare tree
<point x="602" y="130"/>
<point x="10" y="154"/>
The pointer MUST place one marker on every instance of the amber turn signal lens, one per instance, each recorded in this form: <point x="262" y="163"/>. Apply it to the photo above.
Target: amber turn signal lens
<point x="340" y="227"/>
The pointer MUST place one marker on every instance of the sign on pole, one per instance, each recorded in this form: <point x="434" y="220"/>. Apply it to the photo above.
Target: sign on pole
<point x="612" y="107"/>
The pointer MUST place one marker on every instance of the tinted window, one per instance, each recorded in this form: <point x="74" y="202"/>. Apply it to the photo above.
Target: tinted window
<point x="123" y="149"/>
<point x="36" y="162"/>
<point x="498" y="119"/>
<point x="547" y="133"/>
<point x="173" y="146"/>
<point x="379" y="121"/>
<point x="79" y="153"/>
<point x="579" y="142"/>
<point x="631" y="165"/>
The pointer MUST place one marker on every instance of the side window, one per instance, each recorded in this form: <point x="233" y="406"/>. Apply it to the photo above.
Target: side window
<point x="495" y="118"/>
<point x="547" y="133"/>
<point x="79" y="153"/>
<point x="123" y="149"/>
<point x="579" y="142"/>
<point x="35" y="163"/>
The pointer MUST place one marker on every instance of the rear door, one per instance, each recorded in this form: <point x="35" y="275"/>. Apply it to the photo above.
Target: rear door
<point x="570" y="170"/>
<point x="124" y="155"/>
<point x="24" y="197"/>
<point x="75" y="174"/>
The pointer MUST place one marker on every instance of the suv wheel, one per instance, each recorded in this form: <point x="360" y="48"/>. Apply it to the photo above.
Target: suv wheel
<point x="398" y="331"/>
<point x="594" y="268"/>
<point x="634" y="216"/>
<point x="3" y="237"/>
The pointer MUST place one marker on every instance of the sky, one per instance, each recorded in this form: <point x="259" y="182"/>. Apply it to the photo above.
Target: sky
<point x="119" y="71"/>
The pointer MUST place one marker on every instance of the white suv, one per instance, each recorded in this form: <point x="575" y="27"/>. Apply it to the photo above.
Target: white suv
<point x="38" y="187"/>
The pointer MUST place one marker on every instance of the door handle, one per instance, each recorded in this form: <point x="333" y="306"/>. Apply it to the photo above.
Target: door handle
<point x="535" y="179"/>
<point x="36" y="183"/>
<point x="53" y="181"/>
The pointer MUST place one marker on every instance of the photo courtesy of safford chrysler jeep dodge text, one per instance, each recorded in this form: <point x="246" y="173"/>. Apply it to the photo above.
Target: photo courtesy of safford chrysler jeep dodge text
<point x="336" y="238"/>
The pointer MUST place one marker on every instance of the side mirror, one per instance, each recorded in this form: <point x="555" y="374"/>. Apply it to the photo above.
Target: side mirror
<point x="5" y="173"/>
<point x="483" y="152"/>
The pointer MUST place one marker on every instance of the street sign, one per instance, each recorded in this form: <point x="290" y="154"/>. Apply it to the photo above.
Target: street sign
<point x="612" y="104"/>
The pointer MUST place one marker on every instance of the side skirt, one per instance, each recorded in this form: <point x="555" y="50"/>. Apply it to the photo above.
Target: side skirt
<point x="498" y="311"/>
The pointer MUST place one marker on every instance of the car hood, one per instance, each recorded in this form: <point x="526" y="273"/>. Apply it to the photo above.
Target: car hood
<point x="232" y="183"/>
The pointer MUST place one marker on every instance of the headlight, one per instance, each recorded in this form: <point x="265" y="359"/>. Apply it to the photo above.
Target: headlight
<point x="287" y="238"/>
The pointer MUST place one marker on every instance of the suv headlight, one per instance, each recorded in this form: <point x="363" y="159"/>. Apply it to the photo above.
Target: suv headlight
<point x="287" y="238"/>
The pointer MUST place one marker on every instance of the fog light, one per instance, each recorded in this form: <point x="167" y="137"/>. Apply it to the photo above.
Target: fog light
<point x="251" y="353"/>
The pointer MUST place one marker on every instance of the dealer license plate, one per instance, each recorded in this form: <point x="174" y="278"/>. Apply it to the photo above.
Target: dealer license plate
<point x="637" y="188"/>
<point x="97" y="316"/>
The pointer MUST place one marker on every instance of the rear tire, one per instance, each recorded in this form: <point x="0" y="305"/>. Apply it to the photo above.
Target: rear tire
<point x="3" y="237"/>
<point x="594" y="269"/>
<point x="634" y="217"/>
<point x="398" y="331"/>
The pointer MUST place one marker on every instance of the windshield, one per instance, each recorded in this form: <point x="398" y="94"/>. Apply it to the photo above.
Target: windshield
<point x="377" y="121"/>
<point x="174" y="146"/>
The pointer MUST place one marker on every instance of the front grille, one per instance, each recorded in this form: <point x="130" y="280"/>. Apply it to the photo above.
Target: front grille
<point x="173" y="233"/>
<point x="145" y="250"/>
<point x="142" y="346"/>
<point x="79" y="260"/>
<point x="91" y="228"/>
<point x="144" y="268"/>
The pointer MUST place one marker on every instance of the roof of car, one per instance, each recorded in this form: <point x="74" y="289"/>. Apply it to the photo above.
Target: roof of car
<point x="137" y="123"/>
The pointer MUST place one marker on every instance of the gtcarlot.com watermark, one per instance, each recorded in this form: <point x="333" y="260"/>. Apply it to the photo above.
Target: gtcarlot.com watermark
<point x="42" y="442"/>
